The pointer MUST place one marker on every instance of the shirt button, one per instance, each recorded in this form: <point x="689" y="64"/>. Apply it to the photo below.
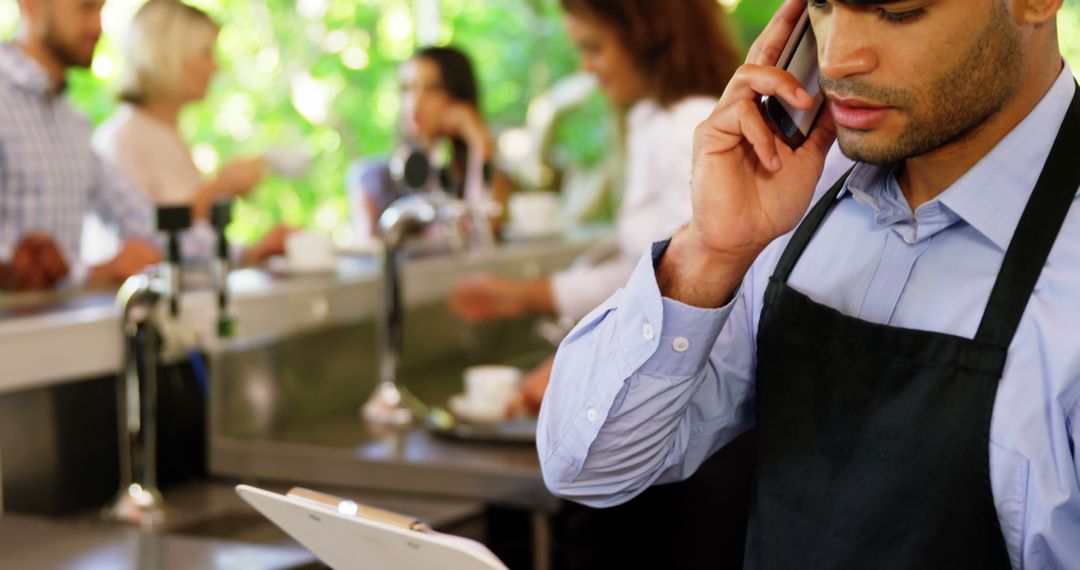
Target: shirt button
<point x="591" y="415"/>
<point x="647" y="332"/>
<point x="681" y="344"/>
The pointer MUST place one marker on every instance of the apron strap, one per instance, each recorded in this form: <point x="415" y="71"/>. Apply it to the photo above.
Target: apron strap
<point x="807" y="228"/>
<point x="1035" y="234"/>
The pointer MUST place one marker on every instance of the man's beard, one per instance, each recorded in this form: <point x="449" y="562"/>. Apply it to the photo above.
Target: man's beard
<point x="960" y="100"/>
<point x="64" y="50"/>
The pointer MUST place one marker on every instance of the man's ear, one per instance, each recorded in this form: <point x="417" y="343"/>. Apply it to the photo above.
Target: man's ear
<point x="1037" y="11"/>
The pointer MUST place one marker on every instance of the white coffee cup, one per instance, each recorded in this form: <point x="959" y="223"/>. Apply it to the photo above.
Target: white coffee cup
<point x="534" y="214"/>
<point x="288" y="163"/>
<point x="489" y="389"/>
<point x="308" y="251"/>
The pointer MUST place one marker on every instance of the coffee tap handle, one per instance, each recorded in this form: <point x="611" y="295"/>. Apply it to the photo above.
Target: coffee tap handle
<point x="220" y="218"/>
<point x="172" y="220"/>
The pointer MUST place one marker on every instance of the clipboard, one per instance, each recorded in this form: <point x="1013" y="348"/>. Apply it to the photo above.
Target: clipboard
<point x="346" y="535"/>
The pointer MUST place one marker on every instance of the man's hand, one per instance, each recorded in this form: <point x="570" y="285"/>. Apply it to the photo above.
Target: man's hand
<point x="135" y="256"/>
<point x="486" y="297"/>
<point x="747" y="186"/>
<point x="36" y="265"/>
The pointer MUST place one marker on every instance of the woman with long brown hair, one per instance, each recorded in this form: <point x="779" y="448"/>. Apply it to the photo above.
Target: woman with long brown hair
<point x="663" y="65"/>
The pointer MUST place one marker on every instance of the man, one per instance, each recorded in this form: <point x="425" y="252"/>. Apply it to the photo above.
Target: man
<point x="49" y="176"/>
<point x="906" y="356"/>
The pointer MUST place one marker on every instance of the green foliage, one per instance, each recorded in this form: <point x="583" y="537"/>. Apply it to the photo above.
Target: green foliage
<point x="321" y="74"/>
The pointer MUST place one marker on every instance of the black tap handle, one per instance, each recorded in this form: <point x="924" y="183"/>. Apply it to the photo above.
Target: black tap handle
<point x="220" y="218"/>
<point x="172" y="219"/>
<point x="417" y="170"/>
<point x="221" y="214"/>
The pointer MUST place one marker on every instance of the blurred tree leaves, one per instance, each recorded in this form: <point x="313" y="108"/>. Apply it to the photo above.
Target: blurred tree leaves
<point x="322" y="74"/>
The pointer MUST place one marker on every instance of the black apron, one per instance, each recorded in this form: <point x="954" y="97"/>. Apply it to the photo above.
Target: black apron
<point x="873" y="441"/>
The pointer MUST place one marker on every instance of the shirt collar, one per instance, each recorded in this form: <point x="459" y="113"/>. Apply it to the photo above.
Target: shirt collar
<point x="991" y="196"/>
<point x="23" y="72"/>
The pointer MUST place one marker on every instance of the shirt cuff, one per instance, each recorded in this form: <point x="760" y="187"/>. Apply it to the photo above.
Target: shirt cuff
<point x="676" y="337"/>
<point x="661" y="336"/>
<point x="687" y="336"/>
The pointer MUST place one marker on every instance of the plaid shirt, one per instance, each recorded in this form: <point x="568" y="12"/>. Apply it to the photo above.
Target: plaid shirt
<point x="49" y="175"/>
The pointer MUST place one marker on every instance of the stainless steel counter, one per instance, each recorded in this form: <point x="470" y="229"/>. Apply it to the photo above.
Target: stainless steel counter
<point x="286" y="389"/>
<point x="58" y="337"/>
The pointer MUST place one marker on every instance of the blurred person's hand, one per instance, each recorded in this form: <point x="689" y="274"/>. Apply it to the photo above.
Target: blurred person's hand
<point x="486" y="297"/>
<point x="36" y="265"/>
<point x="531" y="392"/>
<point x="463" y="121"/>
<point x="272" y="243"/>
<point x="240" y="176"/>
<point x="135" y="256"/>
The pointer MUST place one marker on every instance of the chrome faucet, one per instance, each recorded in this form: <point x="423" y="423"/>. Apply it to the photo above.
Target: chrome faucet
<point x="138" y="501"/>
<point x="407" y="217"/>
<point x="140" y="300"/>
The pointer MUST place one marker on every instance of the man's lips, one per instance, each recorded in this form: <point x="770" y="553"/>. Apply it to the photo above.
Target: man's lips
<point x="855" y="113"/>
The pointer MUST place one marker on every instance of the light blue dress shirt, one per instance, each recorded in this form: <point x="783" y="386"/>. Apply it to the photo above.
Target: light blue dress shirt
<point x="646" y="388"/>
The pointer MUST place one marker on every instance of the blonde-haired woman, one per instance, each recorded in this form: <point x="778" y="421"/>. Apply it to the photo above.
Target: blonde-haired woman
<point x="168" y="63"/>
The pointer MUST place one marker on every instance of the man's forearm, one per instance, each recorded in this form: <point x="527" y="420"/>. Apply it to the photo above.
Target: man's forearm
<point x="692" y="274"/>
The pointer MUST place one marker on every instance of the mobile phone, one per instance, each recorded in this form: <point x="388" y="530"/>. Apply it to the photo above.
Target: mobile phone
<point x="800" y="58"/>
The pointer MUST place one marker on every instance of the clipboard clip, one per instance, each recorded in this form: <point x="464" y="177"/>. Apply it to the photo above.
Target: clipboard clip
<point x="352" y="508"/>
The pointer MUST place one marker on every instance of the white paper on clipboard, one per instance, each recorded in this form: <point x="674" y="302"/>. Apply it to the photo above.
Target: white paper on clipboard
<point x="344" y="541"/>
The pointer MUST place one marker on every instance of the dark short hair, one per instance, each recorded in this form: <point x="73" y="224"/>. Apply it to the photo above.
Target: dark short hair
<point x="683" y="46"/>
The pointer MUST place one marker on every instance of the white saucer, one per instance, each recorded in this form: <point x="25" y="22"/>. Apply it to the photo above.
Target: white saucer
<point x="281" y="265"/>
<point x="367" y="248"/>
<point x="511" y="233"/>
<point x="460" y="407"/>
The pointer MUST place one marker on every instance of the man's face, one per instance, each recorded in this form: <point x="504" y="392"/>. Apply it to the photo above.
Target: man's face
<point x="70" y="29"/>
<point x="907" y="77"/>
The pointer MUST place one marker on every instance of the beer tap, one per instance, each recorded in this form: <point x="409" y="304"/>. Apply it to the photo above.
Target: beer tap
<point x="391" y="403"/>
<point x="139" y="501"/>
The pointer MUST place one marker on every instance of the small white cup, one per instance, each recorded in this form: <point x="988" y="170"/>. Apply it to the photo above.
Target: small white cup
<point x="534" y="214"/>
<point x="307" y="250"/>
<point x="489" y="389"/>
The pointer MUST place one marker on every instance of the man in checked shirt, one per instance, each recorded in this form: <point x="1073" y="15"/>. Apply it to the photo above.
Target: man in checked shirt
<point x="49" y="175"/>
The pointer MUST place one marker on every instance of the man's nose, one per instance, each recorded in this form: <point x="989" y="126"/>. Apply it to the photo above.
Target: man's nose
<point x="844" y="47"/>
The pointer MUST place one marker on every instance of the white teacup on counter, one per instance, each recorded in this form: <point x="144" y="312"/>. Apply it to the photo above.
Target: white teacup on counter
<point x="488" y="393"/>
<point x="534" y="214"/>
<point x="308" y="251"/>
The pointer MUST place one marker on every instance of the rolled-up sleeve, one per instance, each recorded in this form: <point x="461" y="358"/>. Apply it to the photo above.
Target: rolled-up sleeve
<point x="637" y="397"/>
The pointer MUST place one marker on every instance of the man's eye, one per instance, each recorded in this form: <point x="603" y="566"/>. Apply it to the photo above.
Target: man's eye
<point x="817" y="3"/>
<point x="898" y="17"/>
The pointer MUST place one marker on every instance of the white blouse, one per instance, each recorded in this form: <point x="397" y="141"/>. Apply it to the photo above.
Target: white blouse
<point x="655" y="199"/>
<point x="158" y="160"/>
<point x="151" y="153"/>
